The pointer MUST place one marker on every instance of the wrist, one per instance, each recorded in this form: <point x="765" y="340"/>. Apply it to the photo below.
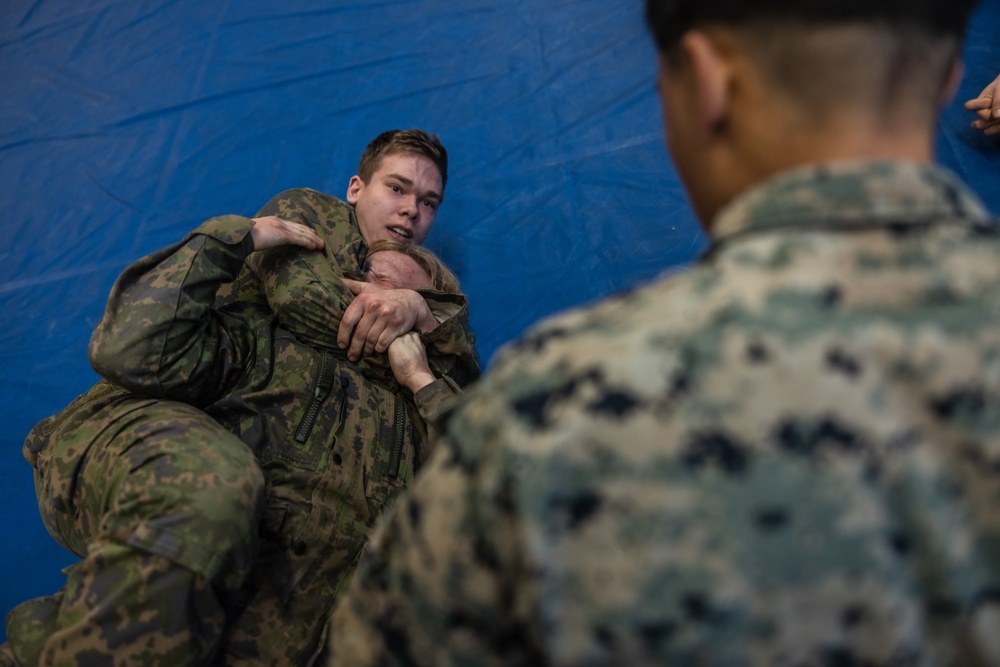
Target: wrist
<point x="419" y="380"/>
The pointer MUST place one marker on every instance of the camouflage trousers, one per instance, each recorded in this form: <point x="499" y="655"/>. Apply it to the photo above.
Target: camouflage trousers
<point x="162" y="504"/>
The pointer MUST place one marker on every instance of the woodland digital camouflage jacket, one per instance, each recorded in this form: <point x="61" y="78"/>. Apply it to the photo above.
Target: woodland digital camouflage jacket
<point x="336" y="440"/>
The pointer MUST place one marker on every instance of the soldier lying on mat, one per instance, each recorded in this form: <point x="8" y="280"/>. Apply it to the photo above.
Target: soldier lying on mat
<point x="222" y="522"/>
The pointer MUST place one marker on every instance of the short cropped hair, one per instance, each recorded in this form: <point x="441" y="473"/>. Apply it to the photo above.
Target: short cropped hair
<point x="404" y="141"/>
<point x="818" y="53"/>
<point x="669" y="19"/>
<point x="442" y="279"/>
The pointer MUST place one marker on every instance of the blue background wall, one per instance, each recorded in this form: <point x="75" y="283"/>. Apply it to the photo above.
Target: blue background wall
<point x="125" y="124"/>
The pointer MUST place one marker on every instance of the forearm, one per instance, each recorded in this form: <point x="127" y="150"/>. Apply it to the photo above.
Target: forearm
<point x="330" y="217"/>
<point x="159" y="334"/>
<point x="305" y="289"/>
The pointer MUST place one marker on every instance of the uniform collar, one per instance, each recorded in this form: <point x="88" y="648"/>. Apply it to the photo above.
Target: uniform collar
<point x="850" y="193"/>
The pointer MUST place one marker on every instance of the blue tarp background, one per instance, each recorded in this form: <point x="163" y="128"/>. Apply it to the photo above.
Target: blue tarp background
<point x="125" y="124"/>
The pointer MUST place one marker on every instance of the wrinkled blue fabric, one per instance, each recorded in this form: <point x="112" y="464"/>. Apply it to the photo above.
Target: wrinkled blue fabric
<point x="125" y="124"/>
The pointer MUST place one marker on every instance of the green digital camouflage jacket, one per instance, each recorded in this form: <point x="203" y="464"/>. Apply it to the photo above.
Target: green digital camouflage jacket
<point x="336" y="440"/>
<point x="304" y="290"/>
<point x="787" y="455"/>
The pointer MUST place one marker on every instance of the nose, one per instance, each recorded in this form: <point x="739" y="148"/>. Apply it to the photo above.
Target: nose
<point x="410" y="207"/>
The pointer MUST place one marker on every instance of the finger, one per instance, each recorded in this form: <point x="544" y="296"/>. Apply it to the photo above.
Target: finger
<point x="362" y="331"/>
<point x="352" y="315"/>
<point x="412" y="343"/>
<point x="313" y="241"/>
<point x="400" y="347"/>
<point x="979" y="103"/>
<point x="992" y="130"/>
<point x="983" y="112"/>
<point x="385" y="339"/>
<point x="419" y="343"/>
<point x="980" y="123"/>
<point x="271" y="231"/>
<point x="302" y="235"/>
<point x="366" y="344"/>
<point x="309" y="243"/>
<point x="356" y="286"/>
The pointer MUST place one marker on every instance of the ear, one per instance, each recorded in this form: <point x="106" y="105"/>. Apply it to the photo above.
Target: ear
<point x="710" y="73"/>
<point x="955" y="74"/>
<point x="354" y="187"/>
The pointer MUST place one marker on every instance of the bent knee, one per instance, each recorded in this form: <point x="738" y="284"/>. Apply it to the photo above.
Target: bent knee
<point x="195" y="501"/>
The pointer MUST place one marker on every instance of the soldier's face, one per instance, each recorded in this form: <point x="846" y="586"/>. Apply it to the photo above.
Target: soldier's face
<point x="394" y="270"/>
<point x="400" y="200"/>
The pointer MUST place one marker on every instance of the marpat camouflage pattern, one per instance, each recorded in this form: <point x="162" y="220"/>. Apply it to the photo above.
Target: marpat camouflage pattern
<point x="787" y="455"/>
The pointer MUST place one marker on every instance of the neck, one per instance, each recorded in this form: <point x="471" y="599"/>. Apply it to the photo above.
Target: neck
<point x="790" y="140"/>
<point x="775" y="144"/>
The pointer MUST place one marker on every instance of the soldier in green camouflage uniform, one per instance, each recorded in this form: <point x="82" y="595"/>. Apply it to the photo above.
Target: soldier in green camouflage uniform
<point x="226" y="540"/>
<point x="788" y="455"/>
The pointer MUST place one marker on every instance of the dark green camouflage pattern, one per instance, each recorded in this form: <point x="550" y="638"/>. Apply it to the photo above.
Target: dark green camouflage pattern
<point x="328" y="476"/>
<point x="328" y="443"/>
<point x="304" y="289"/>
<point x="788" y="455"/>
<point x="161" y="503"/>
<point x="128" y="603"/>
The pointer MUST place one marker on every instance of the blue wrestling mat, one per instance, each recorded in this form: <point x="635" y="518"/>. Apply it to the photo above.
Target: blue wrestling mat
<point x="124" y="124"/>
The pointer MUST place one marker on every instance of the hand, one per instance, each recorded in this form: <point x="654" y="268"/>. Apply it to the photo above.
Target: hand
<point x="987" y="109"/>
<point x="408" y="360"/>
<point x="378" y="316"/>
<point x="271" y="231"/>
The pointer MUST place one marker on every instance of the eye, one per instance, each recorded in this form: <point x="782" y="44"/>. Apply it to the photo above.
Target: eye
<point x="431" y="204"/>
<point x="396" y="188"/>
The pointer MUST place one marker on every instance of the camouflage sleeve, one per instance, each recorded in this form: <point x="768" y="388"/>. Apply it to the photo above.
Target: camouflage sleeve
<point x="443" y="580"/>
<point x="306" y="291"/>
<point x="451" y="346"/>
<point x="159" y="334"/>
<point x="309" y="300"/>
<point x="432" y="399"/>
<point x="304" y="288"/>
<point x="329" y="216"/>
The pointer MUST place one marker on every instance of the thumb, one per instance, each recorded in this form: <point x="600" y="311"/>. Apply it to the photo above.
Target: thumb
<point x="356" y="286"/>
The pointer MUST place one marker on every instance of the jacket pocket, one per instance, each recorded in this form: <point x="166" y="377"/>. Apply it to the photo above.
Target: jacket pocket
<point x="298" y="413"/>
<point x="388" y="460"/>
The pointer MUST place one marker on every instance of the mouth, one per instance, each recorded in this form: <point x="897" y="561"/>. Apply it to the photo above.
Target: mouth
<point x="402" y="234"/>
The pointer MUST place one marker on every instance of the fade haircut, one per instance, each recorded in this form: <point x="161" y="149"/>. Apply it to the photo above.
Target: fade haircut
<point x="404" y="141"/>
<point x="442" y="279"/>
<point x="889" y="56"/>
<point x="669" y="19"/>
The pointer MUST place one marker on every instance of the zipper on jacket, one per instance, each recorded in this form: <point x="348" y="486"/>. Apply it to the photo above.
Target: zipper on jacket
<point x="397" y="445"/>
<point x="323" y="385"/>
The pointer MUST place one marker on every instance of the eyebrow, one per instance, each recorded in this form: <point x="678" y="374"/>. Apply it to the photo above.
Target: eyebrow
<point x="405" y="181"/>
